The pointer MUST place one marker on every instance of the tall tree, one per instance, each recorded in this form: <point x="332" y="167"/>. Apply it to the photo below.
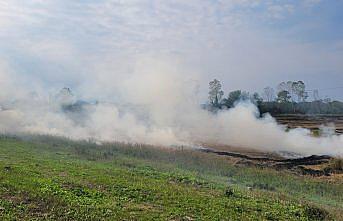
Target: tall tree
<point x="65" y="96"/>
<point x="245" y="95"/>
<point x="256" y="99"/>
<point x="283" y="96"/>
<point x="282" y="87"/>
<point x="268" y="94"/>
<point x="215" y="93"/>
<point x="290" y="89"/>
<point x="315" y="95"/>
<point x="287" y="86"/>
<point x="232" y="98"/>
<point x="299" y="90"/>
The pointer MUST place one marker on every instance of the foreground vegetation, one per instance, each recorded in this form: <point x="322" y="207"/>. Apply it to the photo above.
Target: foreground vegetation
<point x="44" y="178"/>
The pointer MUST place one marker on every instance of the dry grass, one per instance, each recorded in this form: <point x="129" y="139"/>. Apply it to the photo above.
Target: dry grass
<point x="336" y="165"/>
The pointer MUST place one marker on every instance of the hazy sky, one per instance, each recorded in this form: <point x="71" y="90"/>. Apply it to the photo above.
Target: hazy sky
<point x="247" y="44"/>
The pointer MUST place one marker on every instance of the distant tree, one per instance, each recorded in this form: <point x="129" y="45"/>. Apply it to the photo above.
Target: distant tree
<point x="282" y="87"/>
<point x="327" y="99"/>
<point x="245" y="96"/>
<point x="290" y="89"/>
<point x="215" y="93"/>
<point x="299" y="90"/>
<point x="232" y="98"/>
<point x="315" y="95"/>
<point x="256" y="99"/>
<point x="289" y="86"/>
<point x="65" y="97"/>
<point x="268" y="94"/>
<point x="283" y="97"/>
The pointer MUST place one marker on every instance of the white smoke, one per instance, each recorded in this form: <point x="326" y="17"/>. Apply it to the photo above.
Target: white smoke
<point x="156" y="104"/>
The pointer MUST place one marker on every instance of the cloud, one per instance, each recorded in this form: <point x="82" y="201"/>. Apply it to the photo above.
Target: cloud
<point x="61" y="42"/>
<point x="280" y="11"/>
<point x="311" y="3"/>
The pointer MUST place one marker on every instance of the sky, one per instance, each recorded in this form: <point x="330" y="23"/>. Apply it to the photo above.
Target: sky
<point x="91" y="46"/>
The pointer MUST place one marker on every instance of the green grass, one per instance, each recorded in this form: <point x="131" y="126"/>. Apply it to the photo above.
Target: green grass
<point x="47" y="178"/>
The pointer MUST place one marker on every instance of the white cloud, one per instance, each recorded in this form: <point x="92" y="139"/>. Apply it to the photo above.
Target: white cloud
<point x="230" y="39"/>
<point x="280" y="11"/>
<point x="311" y="3"/>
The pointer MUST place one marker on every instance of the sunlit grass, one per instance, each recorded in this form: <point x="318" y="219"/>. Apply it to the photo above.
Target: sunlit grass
<point x="48" y="178"/>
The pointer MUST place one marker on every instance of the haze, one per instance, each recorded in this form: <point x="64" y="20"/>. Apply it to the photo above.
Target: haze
<point x="158" y="57"/>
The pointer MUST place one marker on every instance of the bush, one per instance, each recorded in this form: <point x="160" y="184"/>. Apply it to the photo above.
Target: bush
<point x="229" y="192"/>
<point x="315" y="213"/>
<point x="336" y="165"/>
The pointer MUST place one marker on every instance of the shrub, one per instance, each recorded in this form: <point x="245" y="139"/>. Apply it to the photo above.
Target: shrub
<point x="336" y="165"/>
<point x="315" y="213"/>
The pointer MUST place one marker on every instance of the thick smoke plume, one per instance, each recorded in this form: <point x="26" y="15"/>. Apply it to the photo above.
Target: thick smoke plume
<point x="155" y="102"/>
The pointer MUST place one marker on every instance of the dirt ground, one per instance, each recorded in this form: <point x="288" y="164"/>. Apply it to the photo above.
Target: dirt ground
<point x="312" y="122"/>
<point x="316" y="166"/>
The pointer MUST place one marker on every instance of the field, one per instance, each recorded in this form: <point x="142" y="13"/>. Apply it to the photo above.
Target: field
<point x="45" y="178"/>
<point x="312" y="122"/>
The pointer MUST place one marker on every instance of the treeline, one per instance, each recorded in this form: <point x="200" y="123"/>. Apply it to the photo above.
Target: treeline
<point x="289" y="98"/>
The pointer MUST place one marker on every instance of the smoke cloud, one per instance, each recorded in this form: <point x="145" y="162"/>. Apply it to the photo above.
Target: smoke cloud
<point x="153" y="100"/>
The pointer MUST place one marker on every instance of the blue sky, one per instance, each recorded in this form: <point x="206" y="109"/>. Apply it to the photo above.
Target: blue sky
<point x="247" y="44"/>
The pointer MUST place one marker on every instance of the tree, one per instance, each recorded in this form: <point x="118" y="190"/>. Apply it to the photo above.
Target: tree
<point x="287" y="86"/>
<point x="316" y="95"/>
<point x="245" y="96"/>
<point x="232" y="98"/>
<point x="268" y="94"/>
<point x="299" y="90"/>
<point x="282" y="87"/>
<point x="327" y="99"/>
<point x="256" y="99"/>
<point x="283" y="96"/>
<point x="215" y="94"/>
<point x="290" y="89"/>
<point x="65" y="97"/>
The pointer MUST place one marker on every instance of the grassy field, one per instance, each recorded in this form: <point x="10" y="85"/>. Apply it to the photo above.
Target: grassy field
<point x="48" y="178"/>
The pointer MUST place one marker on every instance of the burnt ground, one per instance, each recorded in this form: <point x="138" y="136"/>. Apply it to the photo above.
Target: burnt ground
<point x="311" y="165"/>
<point x="312" y="122"/>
